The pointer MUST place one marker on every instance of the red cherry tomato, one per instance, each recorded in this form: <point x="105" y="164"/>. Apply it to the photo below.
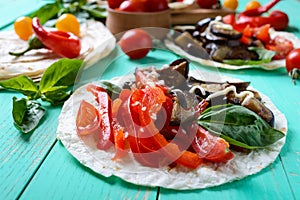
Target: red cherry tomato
<point x="114" y="3"/>
<point x="292" y="63"/>
<point x="87" y="121"/>
<point x="281" y="45"/>
<point x="157" y="5"/>
<point x="210" y="147"/>
<point x="133" y="6"/>
<point x="136" y="43"/>
<point x="206" y="3"/>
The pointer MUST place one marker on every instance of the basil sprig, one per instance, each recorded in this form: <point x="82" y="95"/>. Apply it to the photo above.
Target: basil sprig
<point x="239" y="126"/>
<point x="27" y="114"/>
<point x="53" y="88"/>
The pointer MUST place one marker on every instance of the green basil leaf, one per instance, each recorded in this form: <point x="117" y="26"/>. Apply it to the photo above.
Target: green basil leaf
<point x="111" y="88"/>
<point x="22" y="84"/>
<point x="26" y="114"/>
<point x="264" y="56"/>
<point x="239" y="126"/>
<point x="60" y="73"/>
<point x="56" y="95"/>
<point x="46" y="12"/>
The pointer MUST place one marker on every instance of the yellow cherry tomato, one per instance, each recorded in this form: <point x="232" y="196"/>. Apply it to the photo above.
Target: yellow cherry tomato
<point x="23" y="27"/>
<point x="252" y="5"/>
<point x="230" y="4"/>
<point x="69" y="23"/>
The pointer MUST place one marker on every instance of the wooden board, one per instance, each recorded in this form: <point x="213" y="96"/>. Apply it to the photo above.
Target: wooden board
<point x="192" y="14"/>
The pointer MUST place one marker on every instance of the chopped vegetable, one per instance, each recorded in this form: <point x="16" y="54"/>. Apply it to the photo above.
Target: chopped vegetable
<point x="63" y="43"/>
<point x="105" y="136"/>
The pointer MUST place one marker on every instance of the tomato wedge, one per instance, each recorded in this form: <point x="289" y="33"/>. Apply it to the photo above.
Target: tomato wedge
<point x="87" y="121"/>
<point x="282" y="47"/>
<point x="210" y="147"/>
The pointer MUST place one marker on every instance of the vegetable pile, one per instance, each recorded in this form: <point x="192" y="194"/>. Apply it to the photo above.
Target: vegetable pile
<point x="166" y="118"/>
<point x="242" y="41"/>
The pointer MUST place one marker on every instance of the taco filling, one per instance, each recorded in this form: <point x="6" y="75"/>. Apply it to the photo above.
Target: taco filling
<point x="212" y="39"/>
<point x="166" y="118"/>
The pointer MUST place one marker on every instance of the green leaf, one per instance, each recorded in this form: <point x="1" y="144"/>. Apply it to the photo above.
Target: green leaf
<point x="22" y="84"/>
<point x="264" y="56"/>
<point x="96" y="12"/>
<point x="111" y="88"/>
<point x="239" y="126"/>
<point x="56" y="95"/>
<point x="46" y="12"/>
<point x="60" y="73"/>
<point x="26" y="114"/>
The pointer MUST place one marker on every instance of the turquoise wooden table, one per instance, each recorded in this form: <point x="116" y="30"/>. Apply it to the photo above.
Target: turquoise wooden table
<point x="37" y="166"/>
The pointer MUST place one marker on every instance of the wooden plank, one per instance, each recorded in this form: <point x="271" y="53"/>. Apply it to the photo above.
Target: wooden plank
<point x="263" y="185"/>
<point x="21" y="154"/>
<point x="61" y="176"/>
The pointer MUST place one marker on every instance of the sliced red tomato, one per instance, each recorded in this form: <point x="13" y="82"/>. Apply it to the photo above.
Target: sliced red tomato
<point x="220" y="152"/>
<point x="210" y="147"/>
<point x="262" y="33"/>
<point x="87" y="121"/>
<point x="106" y="136"/>
<point x="281" y="46"/>
<point x="229" y="19"/>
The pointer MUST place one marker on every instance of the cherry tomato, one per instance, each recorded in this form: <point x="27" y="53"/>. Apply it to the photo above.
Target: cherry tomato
<point x="292" y="63"/>
<point x="136" y="43"/>
<point x="252" y="5"/>
<point x="68" y="23"/>
<point x="114" y="3"/>
<point x="87" y="121"/>
<point x="23" y="27"/>
<point x="230" y="4"/>
<point x="206" y="3"/>
<point x="281" y="45"/>
<point x="157" y="5"/>
<point x="133" y="6"/>
<point x="210" y="147"/>
<point x="229" y="19"/>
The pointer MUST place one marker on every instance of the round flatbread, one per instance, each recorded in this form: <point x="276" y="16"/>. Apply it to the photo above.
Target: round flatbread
<point x="275" y="64"/>
<point x="96" y="41"/>
<point x="180" y="178"/>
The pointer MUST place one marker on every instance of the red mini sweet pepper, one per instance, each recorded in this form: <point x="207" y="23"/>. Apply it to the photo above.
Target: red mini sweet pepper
<point x="277" y="19"/>
<point x="65" y="44"/>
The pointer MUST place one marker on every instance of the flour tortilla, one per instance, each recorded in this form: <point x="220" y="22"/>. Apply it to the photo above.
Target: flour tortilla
<point x="96" y="41"/>
<point x="180" y="178"/>
<point x="275" y="64"/>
